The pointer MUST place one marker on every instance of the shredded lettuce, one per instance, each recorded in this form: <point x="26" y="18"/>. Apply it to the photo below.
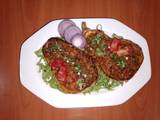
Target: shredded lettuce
<point x="45" y="70"/>
<point x="103" y="82"/>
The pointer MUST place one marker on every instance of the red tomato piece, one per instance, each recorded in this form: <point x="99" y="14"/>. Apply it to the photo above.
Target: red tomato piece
<point x="61" y="75"/>
<point x="114" y="46"/>
<point x="56" y="63"/>
<point x="61" y="68"/>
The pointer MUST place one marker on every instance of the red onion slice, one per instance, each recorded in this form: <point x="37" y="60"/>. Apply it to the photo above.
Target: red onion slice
<point x="79" y="41"/>
<point x="70" y="32"/>
<point x="63" y="25"/>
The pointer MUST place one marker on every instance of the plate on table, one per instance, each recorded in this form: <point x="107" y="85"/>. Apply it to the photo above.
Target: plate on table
<point x="32" y="79"/>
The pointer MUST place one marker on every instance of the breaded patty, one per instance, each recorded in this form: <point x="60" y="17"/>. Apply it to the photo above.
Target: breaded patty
<point x="119" y="58"/>
<point x="73" y="69"/>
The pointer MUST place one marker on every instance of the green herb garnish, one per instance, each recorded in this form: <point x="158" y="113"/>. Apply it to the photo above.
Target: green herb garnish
<point x="55" y="47"/>
<point x="113" y="56"/>
<point x="78" y="67"/>
<point x="121" y="63"/>
<point x="103" y="46"/>
<point x="96" y="39"/>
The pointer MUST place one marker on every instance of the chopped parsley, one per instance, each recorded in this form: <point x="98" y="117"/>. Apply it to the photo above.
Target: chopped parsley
<point x="113" y="56"/>
<point x="96" y="39"/>
<point x="121" y="63"/>
<point x="55" y="47"/>
<point x="103" y="46"/>
<point x="78" y="67"/>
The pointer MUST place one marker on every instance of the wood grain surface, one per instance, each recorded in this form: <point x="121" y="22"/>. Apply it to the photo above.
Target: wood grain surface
<point x="19" y="19"/>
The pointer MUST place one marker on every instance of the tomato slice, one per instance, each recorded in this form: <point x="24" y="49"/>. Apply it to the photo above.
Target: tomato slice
<point x="61" y="68"/>
<point x="114" y="46"/>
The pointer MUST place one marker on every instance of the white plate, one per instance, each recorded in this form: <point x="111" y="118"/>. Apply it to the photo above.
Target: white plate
<point x="32" y="80"/>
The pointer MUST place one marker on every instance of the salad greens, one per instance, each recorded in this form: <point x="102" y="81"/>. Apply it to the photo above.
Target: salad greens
<point x="103" y="82"/>
<point x="45" y="69"/>
<point x="78" y="67"/>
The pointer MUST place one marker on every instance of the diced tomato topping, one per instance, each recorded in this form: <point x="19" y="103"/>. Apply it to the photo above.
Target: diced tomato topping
<point x="114" y="45"/>
<point x="61" y="75"/>
<point x="124" y="51"/>
<point x="57" y="63"/>
<point x="61" y="68"/>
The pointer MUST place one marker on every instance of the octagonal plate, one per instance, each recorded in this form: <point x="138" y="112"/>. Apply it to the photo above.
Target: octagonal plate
<point x="32" y="80"/>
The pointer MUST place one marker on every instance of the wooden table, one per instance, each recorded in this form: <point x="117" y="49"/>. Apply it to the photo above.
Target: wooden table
<point x="20" y="18"/>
